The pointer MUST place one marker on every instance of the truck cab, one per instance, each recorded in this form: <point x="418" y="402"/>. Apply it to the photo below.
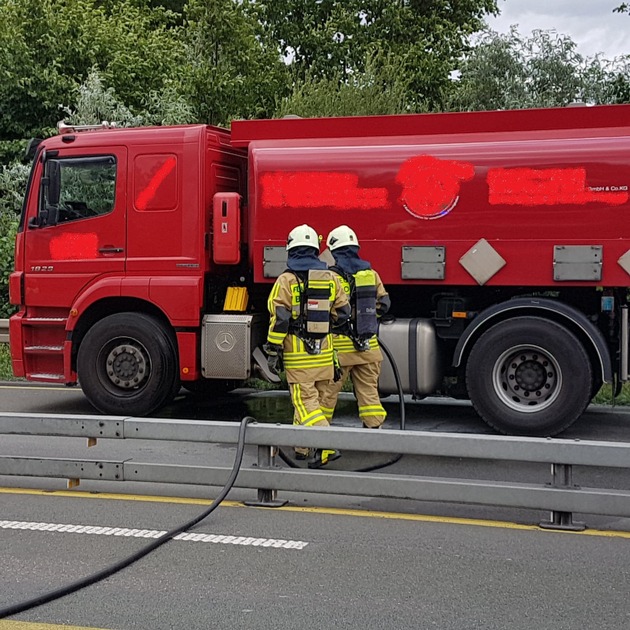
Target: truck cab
<point x="117" y="226"/>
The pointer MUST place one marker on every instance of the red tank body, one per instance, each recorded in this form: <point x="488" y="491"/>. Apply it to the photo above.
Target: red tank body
<point x="525" y="181"/>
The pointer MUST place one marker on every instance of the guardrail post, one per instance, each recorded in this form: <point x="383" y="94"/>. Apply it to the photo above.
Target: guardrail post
<point x="266" y="497"/>
<point x="562" y="477"/>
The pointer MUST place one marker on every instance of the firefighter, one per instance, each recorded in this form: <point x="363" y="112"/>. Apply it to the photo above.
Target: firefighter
<point x="355" y="344"/>
<point x="304" y="301"/>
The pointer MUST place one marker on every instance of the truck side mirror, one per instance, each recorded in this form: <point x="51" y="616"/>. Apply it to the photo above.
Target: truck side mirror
<point x="54" y="182"/>
<point x="50" y="191"/>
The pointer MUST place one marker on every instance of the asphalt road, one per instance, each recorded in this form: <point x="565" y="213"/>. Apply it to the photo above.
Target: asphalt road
<point x="307" y="569"/>
<point x="348" y="562"/>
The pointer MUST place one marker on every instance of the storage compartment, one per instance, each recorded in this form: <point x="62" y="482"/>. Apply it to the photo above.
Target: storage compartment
<point x="227" y="343"/>
<point x="414" y="346"/>
<point x="226" y="229"/>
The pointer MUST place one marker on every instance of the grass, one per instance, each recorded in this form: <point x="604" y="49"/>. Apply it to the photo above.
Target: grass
<point x="6" y="372"/>
<point x="605" y="397"/>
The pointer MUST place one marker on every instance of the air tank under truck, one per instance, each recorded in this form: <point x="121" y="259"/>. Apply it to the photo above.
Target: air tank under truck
<point x="145" y="256"/>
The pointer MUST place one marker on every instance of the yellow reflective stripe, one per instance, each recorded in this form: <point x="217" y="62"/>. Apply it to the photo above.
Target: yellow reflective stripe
<point x="318" y="418"/>
<point x="326" y="453"/>
<point x="365" y="278"/>
<point x="297" y="400"/>
<point x="345" y="285"/>
<point x="272" y="296"/>
<point x="297" y="364"/>
<point x="296" y="292"/>
<point x="305" y="419"/>
<point x="344" y="344"/>
<point x="372" y="410"/>
<point x="274" y="337"/>
<point x="328" y="412"/>
<point x="328" y="353"/>
<point x="311" y="416"/>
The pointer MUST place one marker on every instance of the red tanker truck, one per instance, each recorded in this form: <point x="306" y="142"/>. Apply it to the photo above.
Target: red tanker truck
<point x="145" y="256"/>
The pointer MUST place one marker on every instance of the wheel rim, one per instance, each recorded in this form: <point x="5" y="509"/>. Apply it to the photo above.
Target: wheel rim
<point x="124" y="364"/>
<point x="527" y="378"/>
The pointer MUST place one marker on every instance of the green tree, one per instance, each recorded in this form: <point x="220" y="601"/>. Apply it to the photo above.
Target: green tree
<point x="96" y="103"/>
<point x="380" y="89"/>
<point x="47" y="48"/>
<point x="228" y="72"/>
<point x="332" y="39"/>
<point x="544" y="70"/>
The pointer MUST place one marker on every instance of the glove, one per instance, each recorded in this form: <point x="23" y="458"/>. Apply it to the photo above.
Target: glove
<point x="274" y="357"/>
<point x="338" y="372"/>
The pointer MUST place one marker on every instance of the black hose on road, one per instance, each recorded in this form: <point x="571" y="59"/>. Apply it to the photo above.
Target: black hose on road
<point x="125" y="562"/>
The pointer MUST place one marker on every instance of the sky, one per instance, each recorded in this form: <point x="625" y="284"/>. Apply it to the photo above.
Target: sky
<point x="591" y="24"/>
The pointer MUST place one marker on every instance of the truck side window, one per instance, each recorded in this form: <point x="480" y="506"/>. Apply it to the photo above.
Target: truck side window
<point x="87" y="187"/>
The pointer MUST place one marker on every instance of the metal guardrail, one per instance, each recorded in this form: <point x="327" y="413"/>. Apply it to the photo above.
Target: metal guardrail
<point x="4" y="331"/>
<point x="558" y="494"/>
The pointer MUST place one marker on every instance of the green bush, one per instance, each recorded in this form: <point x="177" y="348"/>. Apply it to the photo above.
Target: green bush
<point x="13" y="180"/>
<point x="6" y="371"/>
<point x="8" y="228"/>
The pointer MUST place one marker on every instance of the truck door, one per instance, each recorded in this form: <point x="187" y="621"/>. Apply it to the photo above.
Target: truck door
<point x="77" y="232"/>
<point x="162" y="224"/>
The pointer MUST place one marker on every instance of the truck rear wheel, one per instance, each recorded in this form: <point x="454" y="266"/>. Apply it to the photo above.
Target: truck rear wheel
<point x="529" y="376"/>
<point x="127" y="365"/>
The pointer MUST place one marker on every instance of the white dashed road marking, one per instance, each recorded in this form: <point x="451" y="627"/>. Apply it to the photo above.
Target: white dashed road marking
<point x="154" y="533"/>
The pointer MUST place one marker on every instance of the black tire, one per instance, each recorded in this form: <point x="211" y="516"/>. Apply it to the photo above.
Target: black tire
<point x="127" y="365"/>
<point x="529" y="376"/>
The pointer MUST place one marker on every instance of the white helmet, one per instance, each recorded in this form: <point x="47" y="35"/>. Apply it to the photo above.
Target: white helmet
<point x="303" y="236"/>
<point x="341" y="237"/>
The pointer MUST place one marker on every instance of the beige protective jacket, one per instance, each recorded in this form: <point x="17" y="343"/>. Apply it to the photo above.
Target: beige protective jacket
<point x="284" y="310"/>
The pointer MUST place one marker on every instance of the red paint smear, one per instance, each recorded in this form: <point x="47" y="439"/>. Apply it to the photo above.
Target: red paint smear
<point x="146" y="195"/>
<point x="430" y="185"/>
<point x="339" y="191"/>
<point x="545" y="187"/>
<point x="73" y="247"/>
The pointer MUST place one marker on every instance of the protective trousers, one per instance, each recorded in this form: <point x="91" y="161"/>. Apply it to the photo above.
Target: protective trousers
<point x="365" y="381"/>
<point x="306" y="397"/>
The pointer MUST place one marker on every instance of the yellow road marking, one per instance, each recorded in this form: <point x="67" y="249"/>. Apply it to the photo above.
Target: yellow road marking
<point x="25" y="625"/>
<point x="399" y="516"/>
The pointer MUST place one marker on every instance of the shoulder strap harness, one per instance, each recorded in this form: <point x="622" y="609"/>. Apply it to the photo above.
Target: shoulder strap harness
<point x="315" y="302"/>
<point x="364" y="324"/>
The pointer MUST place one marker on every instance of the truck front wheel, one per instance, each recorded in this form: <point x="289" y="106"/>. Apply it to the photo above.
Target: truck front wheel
<point x="529" y="376"/>
<point x="127" y="365"/>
